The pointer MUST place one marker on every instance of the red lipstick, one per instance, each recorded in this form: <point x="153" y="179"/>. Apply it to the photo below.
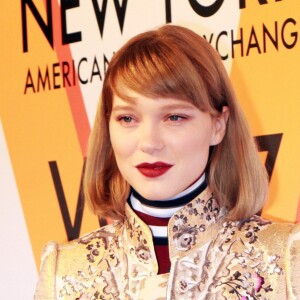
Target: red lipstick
<point x="153" y="170"/>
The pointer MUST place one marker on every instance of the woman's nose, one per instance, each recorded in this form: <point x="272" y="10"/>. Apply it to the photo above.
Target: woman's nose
<point x="150" y="138"/>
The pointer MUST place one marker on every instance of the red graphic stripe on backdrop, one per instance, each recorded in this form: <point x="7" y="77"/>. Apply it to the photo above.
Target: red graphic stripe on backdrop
<point x="298" y="212"/>
<point x="74" y="93"/>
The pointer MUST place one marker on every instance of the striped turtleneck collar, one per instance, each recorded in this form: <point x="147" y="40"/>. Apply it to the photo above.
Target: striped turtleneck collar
<point x="156" y="213"/>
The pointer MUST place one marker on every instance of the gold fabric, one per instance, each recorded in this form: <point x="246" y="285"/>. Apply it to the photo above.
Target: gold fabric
<point x="211" y="258"/>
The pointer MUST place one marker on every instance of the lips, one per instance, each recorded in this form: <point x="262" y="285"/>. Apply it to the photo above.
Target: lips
<point x="153" y="170"/>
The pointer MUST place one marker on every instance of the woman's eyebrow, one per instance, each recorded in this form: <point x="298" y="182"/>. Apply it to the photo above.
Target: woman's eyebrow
<point x="119" y="107"/>
<point x="185" y="106"/>
<point x="130" y="103"/>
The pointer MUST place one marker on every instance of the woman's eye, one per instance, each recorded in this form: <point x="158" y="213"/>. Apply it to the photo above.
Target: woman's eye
<point x="126" y="119"/>
<point x="176" y="118"/>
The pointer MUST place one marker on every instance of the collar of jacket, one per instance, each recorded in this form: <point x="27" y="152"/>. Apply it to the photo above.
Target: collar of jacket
<point x="192" y="226"/>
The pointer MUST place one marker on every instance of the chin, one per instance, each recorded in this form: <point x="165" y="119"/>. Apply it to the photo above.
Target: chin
<point x="155" y="196"/>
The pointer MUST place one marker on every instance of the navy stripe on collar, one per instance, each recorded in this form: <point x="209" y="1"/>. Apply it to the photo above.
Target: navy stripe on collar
<point x="160" y="241"/>
<point x="181" y="201"/>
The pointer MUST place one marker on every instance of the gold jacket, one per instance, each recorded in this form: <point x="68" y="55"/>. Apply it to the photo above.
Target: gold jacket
<point x="211" y="258"/>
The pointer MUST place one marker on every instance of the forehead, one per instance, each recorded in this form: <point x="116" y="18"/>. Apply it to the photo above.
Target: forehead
<point x="130" y="98"/>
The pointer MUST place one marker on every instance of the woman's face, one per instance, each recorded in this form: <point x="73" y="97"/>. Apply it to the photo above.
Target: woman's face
<point x="161" y="145"/>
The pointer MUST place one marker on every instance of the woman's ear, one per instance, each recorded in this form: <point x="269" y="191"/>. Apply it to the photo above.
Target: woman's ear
<point x="219" y="124"/>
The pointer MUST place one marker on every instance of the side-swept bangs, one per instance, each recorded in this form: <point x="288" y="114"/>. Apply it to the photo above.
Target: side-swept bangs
<point x="167" y="63"/>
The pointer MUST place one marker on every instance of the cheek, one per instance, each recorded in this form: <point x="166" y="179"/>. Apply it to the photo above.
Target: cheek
<point x="121" y="145"/>
<point x="195" y="145"/>
<point x="116" y="141"/>
<point x="115" y="137"/>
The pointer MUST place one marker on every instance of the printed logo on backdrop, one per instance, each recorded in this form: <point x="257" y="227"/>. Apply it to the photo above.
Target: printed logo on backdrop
<point x="73" y="72"/>
<point x="69" y="73"/>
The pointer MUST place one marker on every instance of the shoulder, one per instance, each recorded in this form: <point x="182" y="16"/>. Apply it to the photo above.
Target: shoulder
<point x="263" y="250"/>
<point x="71" y="266"/>
<point x="274" y="241"/>
<point x="257" y="227"/>
<point x="101" y="237"/>
<point x="275" y="231"/>
<point x="81" y="253"/>
<point x="270" y="237"/>
<point x="293" y="260"/>
<point x="295" y="234"/>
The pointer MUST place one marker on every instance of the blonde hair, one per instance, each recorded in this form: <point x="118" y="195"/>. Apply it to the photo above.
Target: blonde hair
<point x="173" y="61"/>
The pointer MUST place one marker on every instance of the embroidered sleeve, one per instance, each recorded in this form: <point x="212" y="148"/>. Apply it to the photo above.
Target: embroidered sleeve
<point x="46" y="284"/>
<point x="293" y="263"/>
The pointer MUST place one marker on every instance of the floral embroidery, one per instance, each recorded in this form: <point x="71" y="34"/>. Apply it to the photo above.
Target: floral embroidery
<point x="141" y="249"/>
<point x="143" y="253"/>
<point x="220" y="263"/>
<point x="248" y="284"/>
<point x="99" y="234"/>
<point x="251" y="229"/>
<point x="228" y="263"/>
<point x="185" y="238"/>
<point x="185" y="234"/>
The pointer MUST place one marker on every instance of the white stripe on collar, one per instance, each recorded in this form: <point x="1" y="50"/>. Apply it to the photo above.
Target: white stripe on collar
<point x="166" y="212"/>
<point x="159" y="231"/>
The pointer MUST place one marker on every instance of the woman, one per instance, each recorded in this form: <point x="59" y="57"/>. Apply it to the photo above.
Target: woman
<point x="171" y="159"/>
